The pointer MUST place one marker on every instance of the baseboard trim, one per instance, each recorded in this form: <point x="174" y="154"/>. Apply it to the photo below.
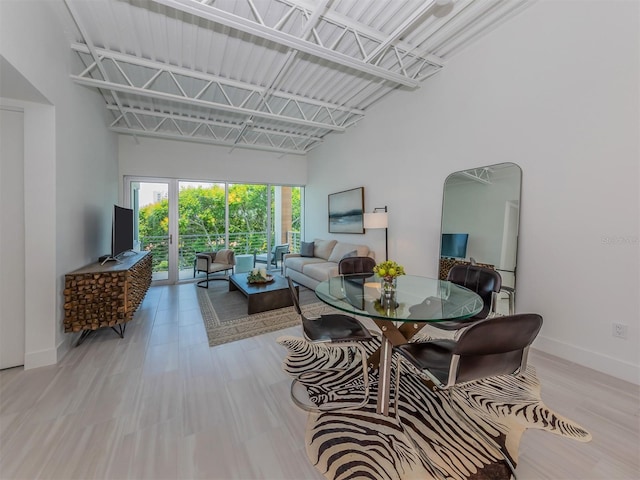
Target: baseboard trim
<point x="41" y="358"/>
<point x="64" y="347"/>
<point x="597" y="361"/>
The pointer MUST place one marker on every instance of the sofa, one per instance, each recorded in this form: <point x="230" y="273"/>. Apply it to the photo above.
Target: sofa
<point x="318" y="260"/>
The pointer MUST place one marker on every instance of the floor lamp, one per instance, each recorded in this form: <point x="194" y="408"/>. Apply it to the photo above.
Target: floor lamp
<point x="379" y="219"/>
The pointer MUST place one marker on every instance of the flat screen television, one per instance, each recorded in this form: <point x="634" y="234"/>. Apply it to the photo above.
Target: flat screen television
<point x="454" y="245"/>
<point x="121" y="231"/>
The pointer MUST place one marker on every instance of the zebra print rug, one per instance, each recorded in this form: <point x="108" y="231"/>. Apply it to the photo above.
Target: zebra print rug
<point x="359" y="443"/>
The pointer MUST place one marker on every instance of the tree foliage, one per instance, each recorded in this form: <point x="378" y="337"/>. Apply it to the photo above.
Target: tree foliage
<point x="201" y="218"/>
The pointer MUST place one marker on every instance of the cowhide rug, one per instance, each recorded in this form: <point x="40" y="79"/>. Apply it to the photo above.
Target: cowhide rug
<point x="362" y="444"/>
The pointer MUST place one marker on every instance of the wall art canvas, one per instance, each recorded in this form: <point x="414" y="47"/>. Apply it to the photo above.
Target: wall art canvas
<point x="346" y="211"/>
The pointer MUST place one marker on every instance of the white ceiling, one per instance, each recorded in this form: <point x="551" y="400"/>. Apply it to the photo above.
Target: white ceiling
<point x="276" y="75"/>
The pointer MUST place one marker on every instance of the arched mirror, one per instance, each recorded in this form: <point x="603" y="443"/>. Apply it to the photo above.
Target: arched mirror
<point x="480" y="219"/>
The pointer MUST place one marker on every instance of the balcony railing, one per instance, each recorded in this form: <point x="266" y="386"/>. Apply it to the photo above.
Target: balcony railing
<point x="189" y="245"/>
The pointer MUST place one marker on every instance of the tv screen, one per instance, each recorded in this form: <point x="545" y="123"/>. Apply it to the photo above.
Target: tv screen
<point x="122" y="230"/>
<point x="454" y="245"/>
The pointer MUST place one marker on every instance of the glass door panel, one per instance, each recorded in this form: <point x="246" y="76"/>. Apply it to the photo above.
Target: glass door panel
<point x="150" y="203"/>
<point x="175" y="219"/>
<point x="201" y="222"/>
<point x="248" y="218"/>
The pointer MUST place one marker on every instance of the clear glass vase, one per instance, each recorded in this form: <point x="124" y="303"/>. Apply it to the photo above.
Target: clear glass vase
<point x="388" y="292"/>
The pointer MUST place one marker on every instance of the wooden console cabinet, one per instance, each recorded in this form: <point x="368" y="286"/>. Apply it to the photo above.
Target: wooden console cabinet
<point x="106" y="295"/>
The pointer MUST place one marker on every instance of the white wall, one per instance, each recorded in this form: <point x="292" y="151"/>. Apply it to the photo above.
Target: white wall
<point x="70" y="171"/>
<point x="555" y="90"/>
<point x="198" y="161"/>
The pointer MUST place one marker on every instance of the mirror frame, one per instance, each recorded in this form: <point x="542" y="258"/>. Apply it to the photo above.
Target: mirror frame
<point x="483" y="176"/>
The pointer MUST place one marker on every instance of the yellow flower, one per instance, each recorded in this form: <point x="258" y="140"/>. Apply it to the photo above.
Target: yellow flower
<point x="388" y="269"/>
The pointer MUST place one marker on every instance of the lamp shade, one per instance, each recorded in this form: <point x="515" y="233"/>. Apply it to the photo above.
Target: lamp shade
<point x="376" y="220"/>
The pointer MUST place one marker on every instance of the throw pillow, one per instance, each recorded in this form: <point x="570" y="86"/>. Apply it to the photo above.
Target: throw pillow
<point x="306" y="249"/>
<point x="323" y="248"/>
<point x="352" y="253"/>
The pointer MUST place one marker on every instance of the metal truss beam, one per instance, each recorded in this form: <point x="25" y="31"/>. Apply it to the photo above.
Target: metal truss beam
<point x="346" y="23"/>
<point x="199" y="123"/>
<point x="209" y="140"/>
<point x="260" y="29"/>
<point x="90" y="47"/>
<point x="178" y="75"/>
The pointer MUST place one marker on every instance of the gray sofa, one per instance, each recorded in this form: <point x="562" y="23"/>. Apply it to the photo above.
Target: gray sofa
<point x="311" y="270"/>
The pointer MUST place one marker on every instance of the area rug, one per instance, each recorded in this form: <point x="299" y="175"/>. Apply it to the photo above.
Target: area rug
<point x="225" y="314"/>
<point x="427" y="440"/>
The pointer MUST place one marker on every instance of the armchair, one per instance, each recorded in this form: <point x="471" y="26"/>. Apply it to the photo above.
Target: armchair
<point x="213" y="262"/>
<point x="276" y="255"/>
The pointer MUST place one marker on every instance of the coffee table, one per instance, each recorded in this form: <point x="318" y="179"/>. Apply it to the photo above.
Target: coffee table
<point x="262" y="296"/>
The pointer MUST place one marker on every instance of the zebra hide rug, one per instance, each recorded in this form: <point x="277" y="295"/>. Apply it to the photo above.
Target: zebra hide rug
<point x="359" y="443"/>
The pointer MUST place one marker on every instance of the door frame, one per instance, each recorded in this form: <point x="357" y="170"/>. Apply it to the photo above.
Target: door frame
<point x="172" y="184"/>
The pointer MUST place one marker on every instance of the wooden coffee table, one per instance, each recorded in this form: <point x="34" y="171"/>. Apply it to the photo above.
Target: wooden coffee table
<point x="262" y="296"/>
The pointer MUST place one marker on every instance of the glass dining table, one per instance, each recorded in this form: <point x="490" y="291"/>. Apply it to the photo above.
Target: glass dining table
<point x="418" y="301"/>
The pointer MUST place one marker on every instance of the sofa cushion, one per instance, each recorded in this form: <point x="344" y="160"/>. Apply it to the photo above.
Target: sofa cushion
<point x="320" y="271"/>
<point x="298" y="263"/>
<point x="341" y="249"/>
<point x="306" y="249"/>
<point x="323" y="248"/>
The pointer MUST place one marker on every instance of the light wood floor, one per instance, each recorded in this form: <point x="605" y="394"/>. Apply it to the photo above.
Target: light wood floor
<point x="161" y="403"/>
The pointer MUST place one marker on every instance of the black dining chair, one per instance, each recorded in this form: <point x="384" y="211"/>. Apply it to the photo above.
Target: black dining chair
<point x="487" y="348"/>
<point x="353" y="265"/>
<point x="336" y="330"/>
<point x="486" y="282"/>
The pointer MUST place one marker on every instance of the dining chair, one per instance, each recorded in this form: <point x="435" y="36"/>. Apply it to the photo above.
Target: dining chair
<point x="336" y="330"/>
<point x="487" y="348"/>
<point x="486" y="282"/>
<point x="354" y="265"/>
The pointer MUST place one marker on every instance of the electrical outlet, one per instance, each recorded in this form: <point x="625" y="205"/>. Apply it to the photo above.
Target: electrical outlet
<point x="620" y="330"/>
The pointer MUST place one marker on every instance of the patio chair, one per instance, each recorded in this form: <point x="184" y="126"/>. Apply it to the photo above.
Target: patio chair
<point x="276" y="256"/>
<point x="214" y="262"/>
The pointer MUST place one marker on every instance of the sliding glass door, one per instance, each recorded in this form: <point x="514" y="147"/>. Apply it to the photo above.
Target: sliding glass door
<point x="150" y="200"/>
<point x="201" y="222"/>
<point x="176" y="219"/>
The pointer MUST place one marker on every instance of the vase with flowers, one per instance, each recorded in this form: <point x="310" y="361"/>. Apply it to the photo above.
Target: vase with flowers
<point x="388" y="272"/>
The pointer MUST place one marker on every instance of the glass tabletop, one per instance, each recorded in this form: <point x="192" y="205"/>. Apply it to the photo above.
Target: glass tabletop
<point x="418" y="299"/>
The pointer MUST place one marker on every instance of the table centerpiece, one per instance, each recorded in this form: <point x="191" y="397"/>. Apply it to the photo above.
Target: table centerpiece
<point x="259" y="275"/>
<point x="388" y="272"/>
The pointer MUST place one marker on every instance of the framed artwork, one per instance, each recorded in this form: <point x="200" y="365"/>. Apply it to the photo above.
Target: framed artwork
<point x="346" y="211"/>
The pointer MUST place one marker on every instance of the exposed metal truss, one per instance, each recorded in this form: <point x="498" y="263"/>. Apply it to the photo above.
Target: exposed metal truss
<point x="274" y="75"/>
<point x="382" y="59"/>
